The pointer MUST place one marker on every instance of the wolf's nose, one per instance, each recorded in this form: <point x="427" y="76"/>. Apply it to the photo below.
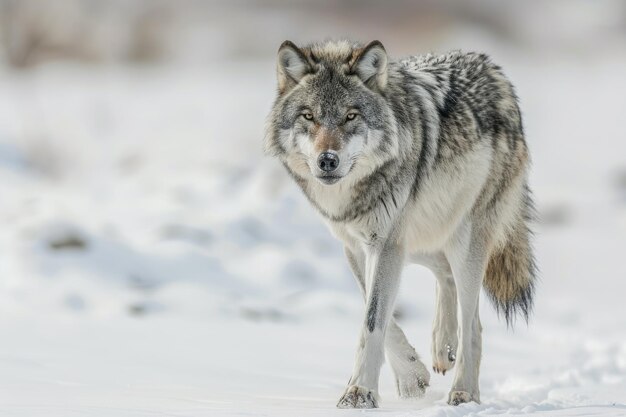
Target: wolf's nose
<point x="328" y="161"/>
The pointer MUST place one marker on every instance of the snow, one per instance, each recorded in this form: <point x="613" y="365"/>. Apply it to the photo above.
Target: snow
<point x="153" y="262"/>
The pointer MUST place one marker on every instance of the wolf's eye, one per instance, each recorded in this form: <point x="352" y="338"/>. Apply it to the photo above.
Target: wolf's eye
<point x="307" y="116"/>
<point x="351" y="116"/>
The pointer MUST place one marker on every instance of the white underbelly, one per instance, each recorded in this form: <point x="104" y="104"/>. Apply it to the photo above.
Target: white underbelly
<point x="444" y="199"/>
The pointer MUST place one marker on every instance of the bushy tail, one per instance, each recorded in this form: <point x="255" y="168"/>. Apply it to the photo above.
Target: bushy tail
<point x="511" y="272"/>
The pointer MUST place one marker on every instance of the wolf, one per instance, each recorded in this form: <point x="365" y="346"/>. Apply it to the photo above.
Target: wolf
<point x="418" y="160"/>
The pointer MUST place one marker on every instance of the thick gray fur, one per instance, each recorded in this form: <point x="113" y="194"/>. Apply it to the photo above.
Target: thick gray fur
<point x="432" y="169"/>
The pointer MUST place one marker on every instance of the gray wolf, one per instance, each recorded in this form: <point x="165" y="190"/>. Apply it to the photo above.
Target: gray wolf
<point x="419" y="160"/>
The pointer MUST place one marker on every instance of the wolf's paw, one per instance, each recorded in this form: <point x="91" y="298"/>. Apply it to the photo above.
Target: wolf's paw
<point x="358" y="397"/>
<point x="412" y="383"/>
<point x="461" y="397"/>
<point x="444" y="356"/>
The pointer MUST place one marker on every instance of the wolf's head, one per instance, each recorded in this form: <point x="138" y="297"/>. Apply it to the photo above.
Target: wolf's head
<point x="330" y="120"/>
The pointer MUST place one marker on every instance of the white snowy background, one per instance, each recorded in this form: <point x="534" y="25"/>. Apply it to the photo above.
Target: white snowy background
<point x="154" y="263"/>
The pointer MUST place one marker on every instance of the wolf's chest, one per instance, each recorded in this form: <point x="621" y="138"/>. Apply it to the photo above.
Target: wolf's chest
<point x="334" y="200"/>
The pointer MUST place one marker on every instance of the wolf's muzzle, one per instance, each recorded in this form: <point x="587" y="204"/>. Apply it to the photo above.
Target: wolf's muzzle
<point x="328" y="161"/>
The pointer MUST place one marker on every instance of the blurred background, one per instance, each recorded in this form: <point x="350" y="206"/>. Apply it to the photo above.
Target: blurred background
<point x="142" y="225"/>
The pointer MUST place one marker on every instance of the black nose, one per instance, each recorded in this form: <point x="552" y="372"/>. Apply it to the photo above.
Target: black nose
<point x="328" y="161"/>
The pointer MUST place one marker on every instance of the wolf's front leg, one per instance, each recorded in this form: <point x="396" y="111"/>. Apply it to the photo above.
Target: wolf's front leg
<point x="383" y="265"/>
<point x="410" y="373"/>
<point x="468" y="258"/>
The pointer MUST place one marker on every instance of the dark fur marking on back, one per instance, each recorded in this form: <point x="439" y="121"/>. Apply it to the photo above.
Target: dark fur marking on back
<point x="424" y="151"/>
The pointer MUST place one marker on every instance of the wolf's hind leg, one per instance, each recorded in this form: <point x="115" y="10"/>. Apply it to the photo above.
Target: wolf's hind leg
<point x="445" y="327"/>
<point x="467" y="255"/>
<point x="412" y="376"/>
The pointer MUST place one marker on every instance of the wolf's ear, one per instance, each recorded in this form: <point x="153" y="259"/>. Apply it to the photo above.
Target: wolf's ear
<point x="292" y="66"/>
<point x="371" y="65"/>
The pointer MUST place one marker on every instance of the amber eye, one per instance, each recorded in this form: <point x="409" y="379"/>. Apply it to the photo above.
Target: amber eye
<point x="351" y="116"/>
<point x="307" y="116"/>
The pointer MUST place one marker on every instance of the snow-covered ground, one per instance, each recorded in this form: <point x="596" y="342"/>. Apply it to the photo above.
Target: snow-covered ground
<point x="153" y="262"/>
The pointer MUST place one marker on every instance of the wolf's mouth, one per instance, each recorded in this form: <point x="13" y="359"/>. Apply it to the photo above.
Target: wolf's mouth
<point x="329" y="179"/>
